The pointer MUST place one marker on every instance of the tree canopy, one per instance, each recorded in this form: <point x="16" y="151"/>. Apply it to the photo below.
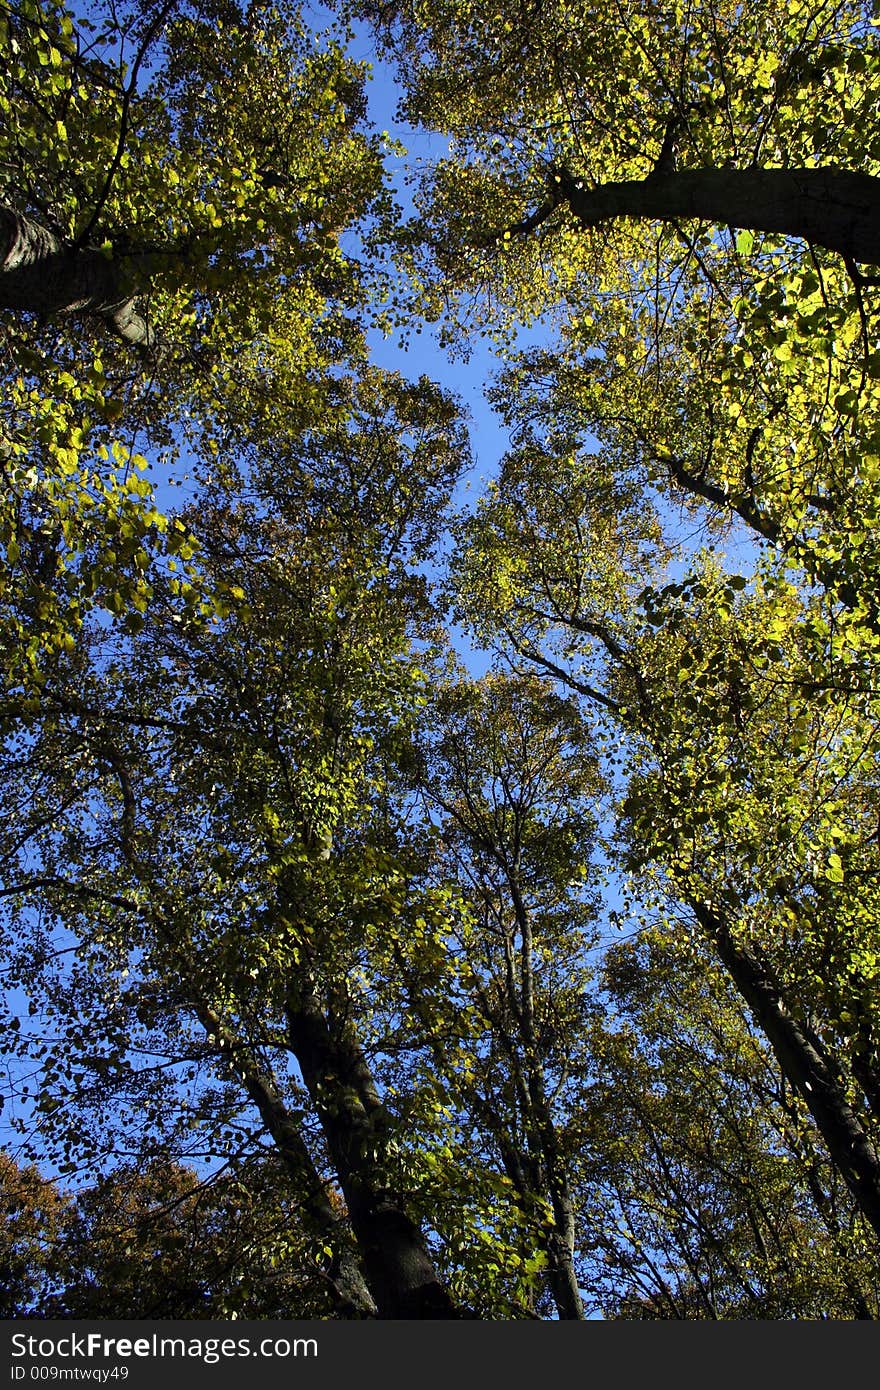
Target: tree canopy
<point x="349" y="975"/>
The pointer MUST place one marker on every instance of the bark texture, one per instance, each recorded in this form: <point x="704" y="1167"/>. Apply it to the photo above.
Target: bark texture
<point x="345" y="1280"/>
<point x="43" y="275"/>
<point x="396" y="1260"/>
<point x="835" y="208"/>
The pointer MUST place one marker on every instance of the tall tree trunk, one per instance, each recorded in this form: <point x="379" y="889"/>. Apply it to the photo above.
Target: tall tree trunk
<point x="399" y="1269"/>
<point x="401" y="1277"/>
<point x="345" y="1280"/>
<point x="835" y="208"/>
<point x="804" y="1065"/>
<point x="42" y="275"/>
<point x="561" y="1274"/>
<point x="560" y="1239"/>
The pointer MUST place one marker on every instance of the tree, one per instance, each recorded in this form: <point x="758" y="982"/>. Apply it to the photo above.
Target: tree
<point x="734" y="371"/>
<point x="311" y="916"/>
<point x="34" y="1213"/>
<point x="706" y="120"/>
<point x="162" y="1244"/>
<point x="510" y="785"/>
<point x="221" y="834"/>
<point x="711" y="1196"/>
<point x="707" y="690"/>
<point x="146" y="145"/>
<point x="136" y="197"/>
<point x="159" y="1243"/>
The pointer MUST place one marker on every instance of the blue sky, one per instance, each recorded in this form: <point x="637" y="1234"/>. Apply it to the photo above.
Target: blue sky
<point x="423" y="354"/>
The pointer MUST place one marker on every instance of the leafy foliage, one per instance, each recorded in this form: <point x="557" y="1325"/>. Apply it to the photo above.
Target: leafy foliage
<point x="542" y="993"/>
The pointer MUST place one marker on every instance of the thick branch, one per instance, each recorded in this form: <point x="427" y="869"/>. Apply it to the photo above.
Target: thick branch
<point x="835" y="208"/>
<point x="41" y="275"/>
<point x="744" y="506"/>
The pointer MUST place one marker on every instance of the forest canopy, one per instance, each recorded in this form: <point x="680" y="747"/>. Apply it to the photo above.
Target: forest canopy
<point x="421" y="900"/>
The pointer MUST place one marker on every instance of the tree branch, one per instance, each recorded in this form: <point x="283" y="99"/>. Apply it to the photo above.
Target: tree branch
<point x="835" y="208"/>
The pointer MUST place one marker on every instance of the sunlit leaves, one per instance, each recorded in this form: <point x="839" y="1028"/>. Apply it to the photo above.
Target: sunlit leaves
<point x="221" y="227"/>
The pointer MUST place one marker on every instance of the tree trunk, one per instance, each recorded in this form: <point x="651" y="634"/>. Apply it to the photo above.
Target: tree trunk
<point x="560" y="1239"/>
<point x="803" y="1064"/>
<point x="561" y="1274"/>
<point x="348" y="1288"/>
<point x="398" y="1266"/>
<point x="835" y="208"/>
<point x="41" y="275"/>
